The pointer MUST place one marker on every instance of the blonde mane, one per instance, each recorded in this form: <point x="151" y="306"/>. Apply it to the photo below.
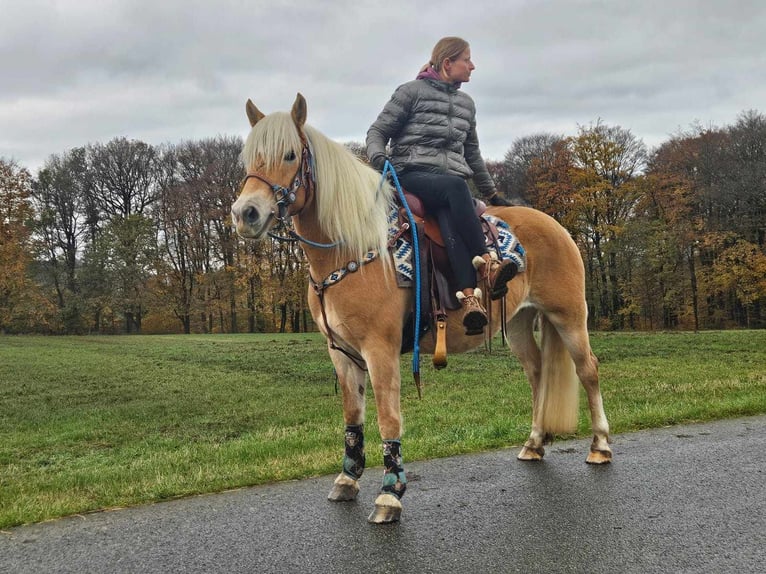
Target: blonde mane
<point x="352" y="206"/>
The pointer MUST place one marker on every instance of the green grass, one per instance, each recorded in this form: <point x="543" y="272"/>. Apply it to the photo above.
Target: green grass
<point x="101" y="422"/>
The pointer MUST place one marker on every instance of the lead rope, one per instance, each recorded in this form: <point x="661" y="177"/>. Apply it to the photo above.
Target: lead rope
<point x="388" y="168"/>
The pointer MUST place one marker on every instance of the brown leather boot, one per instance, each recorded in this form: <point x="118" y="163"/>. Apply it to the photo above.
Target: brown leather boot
<point x="498" y="274"/>
<point x="475" y="317"/>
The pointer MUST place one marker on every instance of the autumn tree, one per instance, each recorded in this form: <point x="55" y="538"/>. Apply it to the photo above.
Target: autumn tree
<point x="609" y="160"/>
<point x="744" y="187"/>
<point x="709" y="189"/>
<point x="222" y="180"/>
<point x="21" y="305"/>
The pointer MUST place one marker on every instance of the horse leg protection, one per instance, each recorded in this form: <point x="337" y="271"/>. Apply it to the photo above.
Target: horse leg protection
<point x="354" y="459"/>
<point x="394" y="479"/>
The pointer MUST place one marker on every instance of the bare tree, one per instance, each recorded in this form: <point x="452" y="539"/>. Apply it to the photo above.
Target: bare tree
<point x="60" y="200"/>
<point x="124" y="182"/>
<point x="201" y="182"/>
<point x="524" y="155"/>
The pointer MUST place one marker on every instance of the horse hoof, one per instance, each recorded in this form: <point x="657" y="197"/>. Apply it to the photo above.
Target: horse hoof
<point x="599" y="457"/>
<point x="531" y="454"/>
<point x="388" y="509"/>
<point x="344" y="489"/>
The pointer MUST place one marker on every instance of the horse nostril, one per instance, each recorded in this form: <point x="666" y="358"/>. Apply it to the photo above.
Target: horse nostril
<point x="250" y="215"/>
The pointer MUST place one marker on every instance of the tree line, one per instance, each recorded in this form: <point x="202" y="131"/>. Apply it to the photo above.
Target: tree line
<point x="126" y="237"/>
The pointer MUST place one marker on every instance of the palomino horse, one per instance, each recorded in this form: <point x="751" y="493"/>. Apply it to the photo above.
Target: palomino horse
<point x="339" y="209"/>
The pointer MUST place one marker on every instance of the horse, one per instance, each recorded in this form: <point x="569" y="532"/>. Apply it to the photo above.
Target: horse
<point x="339" y="208"/>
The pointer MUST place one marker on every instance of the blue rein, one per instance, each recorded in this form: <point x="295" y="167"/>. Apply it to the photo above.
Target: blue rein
<point x="389" y="169"/>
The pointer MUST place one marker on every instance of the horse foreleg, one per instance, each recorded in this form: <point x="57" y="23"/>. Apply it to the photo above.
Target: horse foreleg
<point x="386" y="384"/>
<point x="352" y="382"/>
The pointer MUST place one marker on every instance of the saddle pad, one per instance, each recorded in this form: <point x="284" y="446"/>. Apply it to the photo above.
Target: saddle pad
<point x="507" y="245"/>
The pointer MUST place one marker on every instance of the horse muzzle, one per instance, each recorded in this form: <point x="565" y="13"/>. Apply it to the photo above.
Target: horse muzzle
<point x="251" y="217"/>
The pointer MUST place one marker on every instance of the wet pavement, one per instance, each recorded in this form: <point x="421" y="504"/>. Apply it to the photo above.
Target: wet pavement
<point x="682" y="499"/>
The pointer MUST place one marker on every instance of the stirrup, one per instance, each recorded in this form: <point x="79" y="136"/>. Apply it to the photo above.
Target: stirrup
<point x="475" y="317"/>
<point x="496" y="274"/>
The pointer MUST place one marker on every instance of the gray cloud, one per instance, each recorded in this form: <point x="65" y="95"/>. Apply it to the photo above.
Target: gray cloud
<point x="74" y="72"/>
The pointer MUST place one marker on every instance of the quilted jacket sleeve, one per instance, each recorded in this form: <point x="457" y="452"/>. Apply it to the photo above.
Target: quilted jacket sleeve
<point x="389" y="123"/>
<point x="484" y="182"/>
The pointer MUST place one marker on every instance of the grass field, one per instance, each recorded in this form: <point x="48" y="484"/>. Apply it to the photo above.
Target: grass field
<point x="101" y="422"/>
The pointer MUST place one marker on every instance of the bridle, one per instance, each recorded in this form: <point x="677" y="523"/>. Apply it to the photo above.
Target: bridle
<point x="285" y="197"/>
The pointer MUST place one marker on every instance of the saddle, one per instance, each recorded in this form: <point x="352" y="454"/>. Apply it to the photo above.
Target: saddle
<point x="437" y="284"/>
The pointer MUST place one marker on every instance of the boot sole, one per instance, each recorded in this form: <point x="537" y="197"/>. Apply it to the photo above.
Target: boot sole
<point x="474" y="323"/>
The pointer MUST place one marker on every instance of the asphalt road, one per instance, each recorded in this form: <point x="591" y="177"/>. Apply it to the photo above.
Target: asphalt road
<point x="681" y="499"/>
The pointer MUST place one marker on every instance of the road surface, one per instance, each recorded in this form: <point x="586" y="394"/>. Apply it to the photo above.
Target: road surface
<point x="681" y="499"/>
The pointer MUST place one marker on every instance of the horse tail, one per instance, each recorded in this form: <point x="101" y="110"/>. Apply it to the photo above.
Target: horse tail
<point x="557" y="400"/>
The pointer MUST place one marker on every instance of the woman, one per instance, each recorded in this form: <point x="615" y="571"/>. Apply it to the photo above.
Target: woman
<point x="431" y="126"/>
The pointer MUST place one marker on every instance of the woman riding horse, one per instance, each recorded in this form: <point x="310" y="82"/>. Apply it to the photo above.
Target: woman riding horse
<point x="339" y="211"/>
<point x="431" y="125"/>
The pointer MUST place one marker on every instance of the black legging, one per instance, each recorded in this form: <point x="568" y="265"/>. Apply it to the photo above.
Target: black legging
<point x="448" y="197"/>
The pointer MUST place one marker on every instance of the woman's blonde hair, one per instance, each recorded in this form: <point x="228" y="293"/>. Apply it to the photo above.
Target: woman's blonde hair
<point x="447" y="48"/>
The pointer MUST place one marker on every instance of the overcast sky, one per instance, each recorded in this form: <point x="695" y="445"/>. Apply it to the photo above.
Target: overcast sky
<point x="74" y="72"/>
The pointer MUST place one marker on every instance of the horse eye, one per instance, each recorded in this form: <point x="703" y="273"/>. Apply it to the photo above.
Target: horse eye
<point x="290" y="156"/>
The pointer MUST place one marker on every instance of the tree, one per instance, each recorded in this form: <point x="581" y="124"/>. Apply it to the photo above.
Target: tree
<point x="608" y="159"/>
<point x="740" y="270"/>
<point x="670" y="215"/>
<point x="21" y="305"/>
<point x="359" y="149"/>
<point x="550" y="184"/>
<point x="709" y="190"/>
<point x="124" y="185"/>
<point x="59" y="195"/>
<point x="201" y="182"/>
<point x="745" y="178"/>
<point x="528" y="157"/>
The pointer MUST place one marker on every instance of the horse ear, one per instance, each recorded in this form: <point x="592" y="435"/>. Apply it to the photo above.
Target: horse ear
<point x="299" y="110"/>
<point x="253" y="113"/>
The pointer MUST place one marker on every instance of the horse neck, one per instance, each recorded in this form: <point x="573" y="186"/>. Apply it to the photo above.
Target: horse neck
<point x="322" y="261"/>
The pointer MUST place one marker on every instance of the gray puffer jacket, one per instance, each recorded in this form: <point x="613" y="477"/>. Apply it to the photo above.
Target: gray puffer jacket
<point x="432" y="126"/>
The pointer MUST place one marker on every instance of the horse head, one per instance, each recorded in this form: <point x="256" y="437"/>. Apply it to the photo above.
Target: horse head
<point x="279" y="179"/>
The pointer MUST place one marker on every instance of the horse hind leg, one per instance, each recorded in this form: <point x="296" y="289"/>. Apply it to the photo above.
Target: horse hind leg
<point x="554" y="392"/>
<point x="522" y="342"/>
<point x="352" y="381"/>
<point x="587" y="371"/>
<point x="586" y="365"/>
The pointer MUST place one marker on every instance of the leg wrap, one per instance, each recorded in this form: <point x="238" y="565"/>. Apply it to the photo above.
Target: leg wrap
<point x="394" y="479"/>
<point x="354" y="459"/>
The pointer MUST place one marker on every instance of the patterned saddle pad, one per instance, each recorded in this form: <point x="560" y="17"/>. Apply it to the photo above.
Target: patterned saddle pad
<point x="508" y="247"/>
